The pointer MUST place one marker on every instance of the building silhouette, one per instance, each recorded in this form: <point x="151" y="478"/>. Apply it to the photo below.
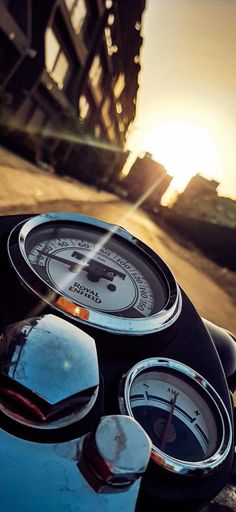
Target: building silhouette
<point x="147" y="179"/>
<point x="69" y="69"/>
<point x="207" y="219"/>
<point x="200" y="200"/>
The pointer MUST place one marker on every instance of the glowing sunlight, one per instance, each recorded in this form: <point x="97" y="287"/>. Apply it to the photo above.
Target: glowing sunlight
<point x="184" y="149"/>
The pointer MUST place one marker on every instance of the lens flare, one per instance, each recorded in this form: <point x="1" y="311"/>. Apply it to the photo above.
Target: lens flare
<point x="184" y="148"/>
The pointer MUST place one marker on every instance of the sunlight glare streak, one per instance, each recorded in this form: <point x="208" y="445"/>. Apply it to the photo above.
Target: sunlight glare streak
<point x="68" y="136"/>
<point x="50" y="299"/>
<point x="184" y="149"/>
<point x="86" y="140"/>
<point x="113" y="230"/>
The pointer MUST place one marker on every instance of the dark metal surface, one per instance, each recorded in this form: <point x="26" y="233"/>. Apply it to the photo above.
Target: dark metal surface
<point x="187" y="340"/>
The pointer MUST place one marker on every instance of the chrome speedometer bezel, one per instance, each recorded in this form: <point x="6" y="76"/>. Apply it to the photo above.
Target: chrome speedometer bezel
<point x="174" y="465"/>
<point x="131" y="326"/>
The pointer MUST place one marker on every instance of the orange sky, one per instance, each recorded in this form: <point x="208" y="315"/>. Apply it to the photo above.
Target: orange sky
<point x="188" y="88"/>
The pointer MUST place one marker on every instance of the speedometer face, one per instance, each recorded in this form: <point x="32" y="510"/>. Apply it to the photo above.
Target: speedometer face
<point x="110" y="278"/>
<point x="180" y="411"/>
<point x="98" y="267"/>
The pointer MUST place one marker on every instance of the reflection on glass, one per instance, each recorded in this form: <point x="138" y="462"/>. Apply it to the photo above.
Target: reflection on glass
<point x="60" y="70"/>
<point x="107" y="32"/>
<point x="105" y="112"/>
<point x="119" y="107"/>
<point x="95" y="71"/>
<point x="55" y="60"/>
<point x="83" y="107"/>
<point x="119" y="85"/>
<point x="121" y="126"/>
<point x="52" y="48"/>
<point x="111" y="132"/>
<point x="109" y="4"/>
<point x="111" y="19"/>
<point x="95" y="75"/>
<point x="78" y="15"/>
<point x="69" y="4"/>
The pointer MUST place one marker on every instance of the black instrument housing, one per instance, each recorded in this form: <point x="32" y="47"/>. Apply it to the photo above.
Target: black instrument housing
<point x="187" y="340"/>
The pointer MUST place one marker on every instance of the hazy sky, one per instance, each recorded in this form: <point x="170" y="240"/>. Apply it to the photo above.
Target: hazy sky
<point x="186" y="113"/>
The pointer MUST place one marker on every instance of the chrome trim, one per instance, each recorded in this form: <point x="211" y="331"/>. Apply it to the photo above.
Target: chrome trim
<point x="135" y="326"/>
<point x="51" y="367"/>
<point x="166" y="461"/>
<point x="116" y="454"/>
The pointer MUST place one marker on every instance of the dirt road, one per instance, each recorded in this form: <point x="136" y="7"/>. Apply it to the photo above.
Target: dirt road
<point x="25" y="189"/>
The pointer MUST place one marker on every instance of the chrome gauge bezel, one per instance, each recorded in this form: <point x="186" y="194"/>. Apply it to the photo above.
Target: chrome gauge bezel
<point x="121" y="325"/>
<point x="164" y="460"/>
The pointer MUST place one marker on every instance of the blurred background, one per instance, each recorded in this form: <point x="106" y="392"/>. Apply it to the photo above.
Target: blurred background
<point x="126" y="111"/>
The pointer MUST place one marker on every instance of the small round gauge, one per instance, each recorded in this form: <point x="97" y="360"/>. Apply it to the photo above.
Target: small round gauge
<point x="96" y="272"/>
<point x="181" y="412"/>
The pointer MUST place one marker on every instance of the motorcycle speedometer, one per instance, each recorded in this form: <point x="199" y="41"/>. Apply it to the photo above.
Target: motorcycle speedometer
<point x="95" y="272"/>
<point x="181" y="412"/>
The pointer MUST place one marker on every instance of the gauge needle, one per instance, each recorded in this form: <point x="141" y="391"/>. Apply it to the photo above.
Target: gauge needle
<point x="73" y="266"/>
<point x="99" y="269"/>
<point x="168" y="424"/>
<point x="95" y="269"/>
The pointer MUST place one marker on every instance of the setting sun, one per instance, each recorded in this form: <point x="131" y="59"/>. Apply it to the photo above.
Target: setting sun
<point x="184" y="149"/>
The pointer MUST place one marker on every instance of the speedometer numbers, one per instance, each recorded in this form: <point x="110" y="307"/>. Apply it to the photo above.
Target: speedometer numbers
<point x="106" y="281"/>
<point x="95" y="272"/>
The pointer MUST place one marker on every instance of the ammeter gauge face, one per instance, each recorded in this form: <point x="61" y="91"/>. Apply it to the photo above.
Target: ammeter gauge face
<point x="181" y="412"/>
<point x="97" y="272"/>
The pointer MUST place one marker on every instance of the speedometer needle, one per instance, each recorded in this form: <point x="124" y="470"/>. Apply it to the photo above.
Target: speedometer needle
<point x="95" y="269"/>
<point x="168" y="424"/>
<point x="73" y="266"/>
